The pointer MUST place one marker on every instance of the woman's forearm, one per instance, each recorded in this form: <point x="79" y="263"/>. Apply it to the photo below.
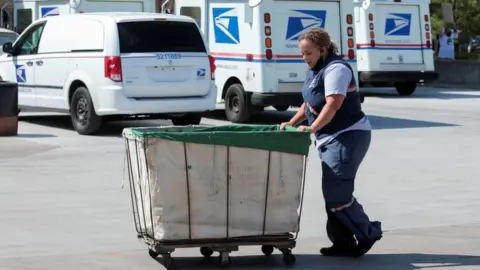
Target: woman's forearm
<point x="326" y="115"/>
<point x="299" y="116"/>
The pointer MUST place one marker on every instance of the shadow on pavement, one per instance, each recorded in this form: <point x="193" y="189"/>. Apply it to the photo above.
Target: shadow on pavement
<point x="421" y="93"/>
<point x="383" y="122"/>
<point x="34" y="136"/>
<point x="260" y="118"/>
<point x="114" y="129"/>
<point x="378" y="122"/>
<point x="317" y="262"/>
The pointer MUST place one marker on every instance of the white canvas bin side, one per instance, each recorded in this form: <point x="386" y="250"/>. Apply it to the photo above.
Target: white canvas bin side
<point x="201" y="191"/>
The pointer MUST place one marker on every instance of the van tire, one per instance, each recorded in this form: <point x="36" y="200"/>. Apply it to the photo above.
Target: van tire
<point x="405" y="88"/>
<point x="238" y="107"/>
<point x="187" y="119"/>
<point x="82" y="112"/>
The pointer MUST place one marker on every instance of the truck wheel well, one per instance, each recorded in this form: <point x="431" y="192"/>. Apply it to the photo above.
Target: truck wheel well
<point x="75" y="84"/>
<point x="230" y="81"/>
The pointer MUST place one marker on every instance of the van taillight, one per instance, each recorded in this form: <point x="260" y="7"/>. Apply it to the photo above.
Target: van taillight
<point x="269" y="54"/>
<point x="113" y="68"/>
<point x="372" y="32"/>
<point x="268" y="40"/>
<point x="427" y="32"/>
<point x="266" y="17"/>
<point x="212" y="67"/>
<point x="349" y="19"/>
<point x="351" y="54"/>
<point x="351" y="43"/>
<point x="350" y="31"/>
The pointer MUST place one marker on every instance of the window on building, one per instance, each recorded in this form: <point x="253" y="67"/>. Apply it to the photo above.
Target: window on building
<point x="24" y="19"/>
<point x="192" y="12"/>
<point x="5" y="19"/>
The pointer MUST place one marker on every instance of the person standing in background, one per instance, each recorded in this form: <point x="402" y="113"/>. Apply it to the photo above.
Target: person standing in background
<point x="446" y="43"/>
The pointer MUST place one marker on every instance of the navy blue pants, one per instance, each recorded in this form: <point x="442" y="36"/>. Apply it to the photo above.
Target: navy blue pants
<point x="340" y="161"/>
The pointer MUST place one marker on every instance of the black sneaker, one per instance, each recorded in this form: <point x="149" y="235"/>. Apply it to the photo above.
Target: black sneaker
<point x="338" y="251"/>
<point x="364" y="246"/>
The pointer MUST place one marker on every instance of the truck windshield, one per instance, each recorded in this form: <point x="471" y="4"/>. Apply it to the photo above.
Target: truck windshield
<point x="159" y="36"/>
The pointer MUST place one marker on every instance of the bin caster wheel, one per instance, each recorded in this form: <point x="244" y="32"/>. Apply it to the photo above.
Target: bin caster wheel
<point x="206" y="252"/>
<point x="167" y="260"/>
<point x="224" y="259"/>
<point x="289" y="259"/>
<point x="152" y="254"/>
<point x="267" y="250"/>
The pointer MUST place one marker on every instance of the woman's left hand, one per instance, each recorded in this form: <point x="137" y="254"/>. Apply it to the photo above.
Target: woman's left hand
<point x="305" y="128"/>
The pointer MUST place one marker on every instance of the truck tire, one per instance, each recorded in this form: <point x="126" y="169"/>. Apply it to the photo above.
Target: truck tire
<point x="405" y="88"/>
<point x="82" y="112"/>
<point x="238" y="107"/>
<point x="187" y="119"/>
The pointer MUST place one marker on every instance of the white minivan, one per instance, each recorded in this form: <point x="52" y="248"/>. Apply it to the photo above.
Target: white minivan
<point x="112" y="66"/>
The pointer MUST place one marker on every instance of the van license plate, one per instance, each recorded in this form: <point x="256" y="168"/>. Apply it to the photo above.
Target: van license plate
<point x="169" y="56"/>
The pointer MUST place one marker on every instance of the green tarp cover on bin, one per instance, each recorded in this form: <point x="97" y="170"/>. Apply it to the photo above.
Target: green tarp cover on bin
<point x="265" y="137"/>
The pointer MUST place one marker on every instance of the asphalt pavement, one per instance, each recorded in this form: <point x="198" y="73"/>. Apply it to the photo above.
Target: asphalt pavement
<point x="63" y="206"/>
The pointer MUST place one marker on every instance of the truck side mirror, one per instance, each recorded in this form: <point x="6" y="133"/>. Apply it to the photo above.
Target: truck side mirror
<point x="254" y="3"/>
<point x="7" y="47"/>
<point x="366" y="4"/>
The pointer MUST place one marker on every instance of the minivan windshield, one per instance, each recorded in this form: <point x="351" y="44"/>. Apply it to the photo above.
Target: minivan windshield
<point x="160" y="36"/>
<point x="7" y="37"/>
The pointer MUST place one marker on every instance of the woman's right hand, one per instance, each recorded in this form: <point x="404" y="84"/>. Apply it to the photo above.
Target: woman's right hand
<point x="284" y="124"/>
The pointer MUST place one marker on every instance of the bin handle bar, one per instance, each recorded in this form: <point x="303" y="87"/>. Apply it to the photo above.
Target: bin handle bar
<point x="149" y="182"/>
<point x="266" y="192"/>
<point x="228" y="191"/>
<point x="141" y="192"/>
<point x="188" y="191"/>
<point x="133" y="194"/>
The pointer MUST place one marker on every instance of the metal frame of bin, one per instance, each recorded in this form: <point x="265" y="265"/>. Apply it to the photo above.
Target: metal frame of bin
<point x="284" y="242"/>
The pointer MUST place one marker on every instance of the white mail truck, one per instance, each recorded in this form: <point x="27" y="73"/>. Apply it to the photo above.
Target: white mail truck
<point x="394" y="44"/>
<point x="28" y="11"/>
<point x="255" y="45"/>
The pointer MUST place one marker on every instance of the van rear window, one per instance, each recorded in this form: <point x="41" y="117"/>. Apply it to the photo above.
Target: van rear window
<point x="159" y="36"/>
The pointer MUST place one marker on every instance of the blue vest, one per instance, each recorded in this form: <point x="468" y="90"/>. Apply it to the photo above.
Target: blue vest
<point x="313" y="93"/>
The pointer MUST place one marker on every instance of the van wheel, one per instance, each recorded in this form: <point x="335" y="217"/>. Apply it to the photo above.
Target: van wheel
<point x="405" y="88"/>
<point x="187" y="119"/>
<point x="84" y="119"/>
<point x="237" y="104"/>
<point x="281" y="108"/>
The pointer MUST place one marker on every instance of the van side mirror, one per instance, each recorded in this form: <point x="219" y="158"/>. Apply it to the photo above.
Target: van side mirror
<point x="7" y="47"/>
<point x="254" y="3"/>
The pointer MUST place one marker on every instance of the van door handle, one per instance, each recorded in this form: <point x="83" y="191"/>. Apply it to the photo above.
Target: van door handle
<point x="29" y="63"/>
<point x="39" y="62"/>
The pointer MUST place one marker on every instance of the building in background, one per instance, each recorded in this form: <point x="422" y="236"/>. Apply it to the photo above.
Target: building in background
<point x="158" y="3"/>
<point x="6" y="20"/>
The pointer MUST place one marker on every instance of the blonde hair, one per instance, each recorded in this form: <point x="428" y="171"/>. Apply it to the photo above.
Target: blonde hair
<point x="320" y="38"/>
